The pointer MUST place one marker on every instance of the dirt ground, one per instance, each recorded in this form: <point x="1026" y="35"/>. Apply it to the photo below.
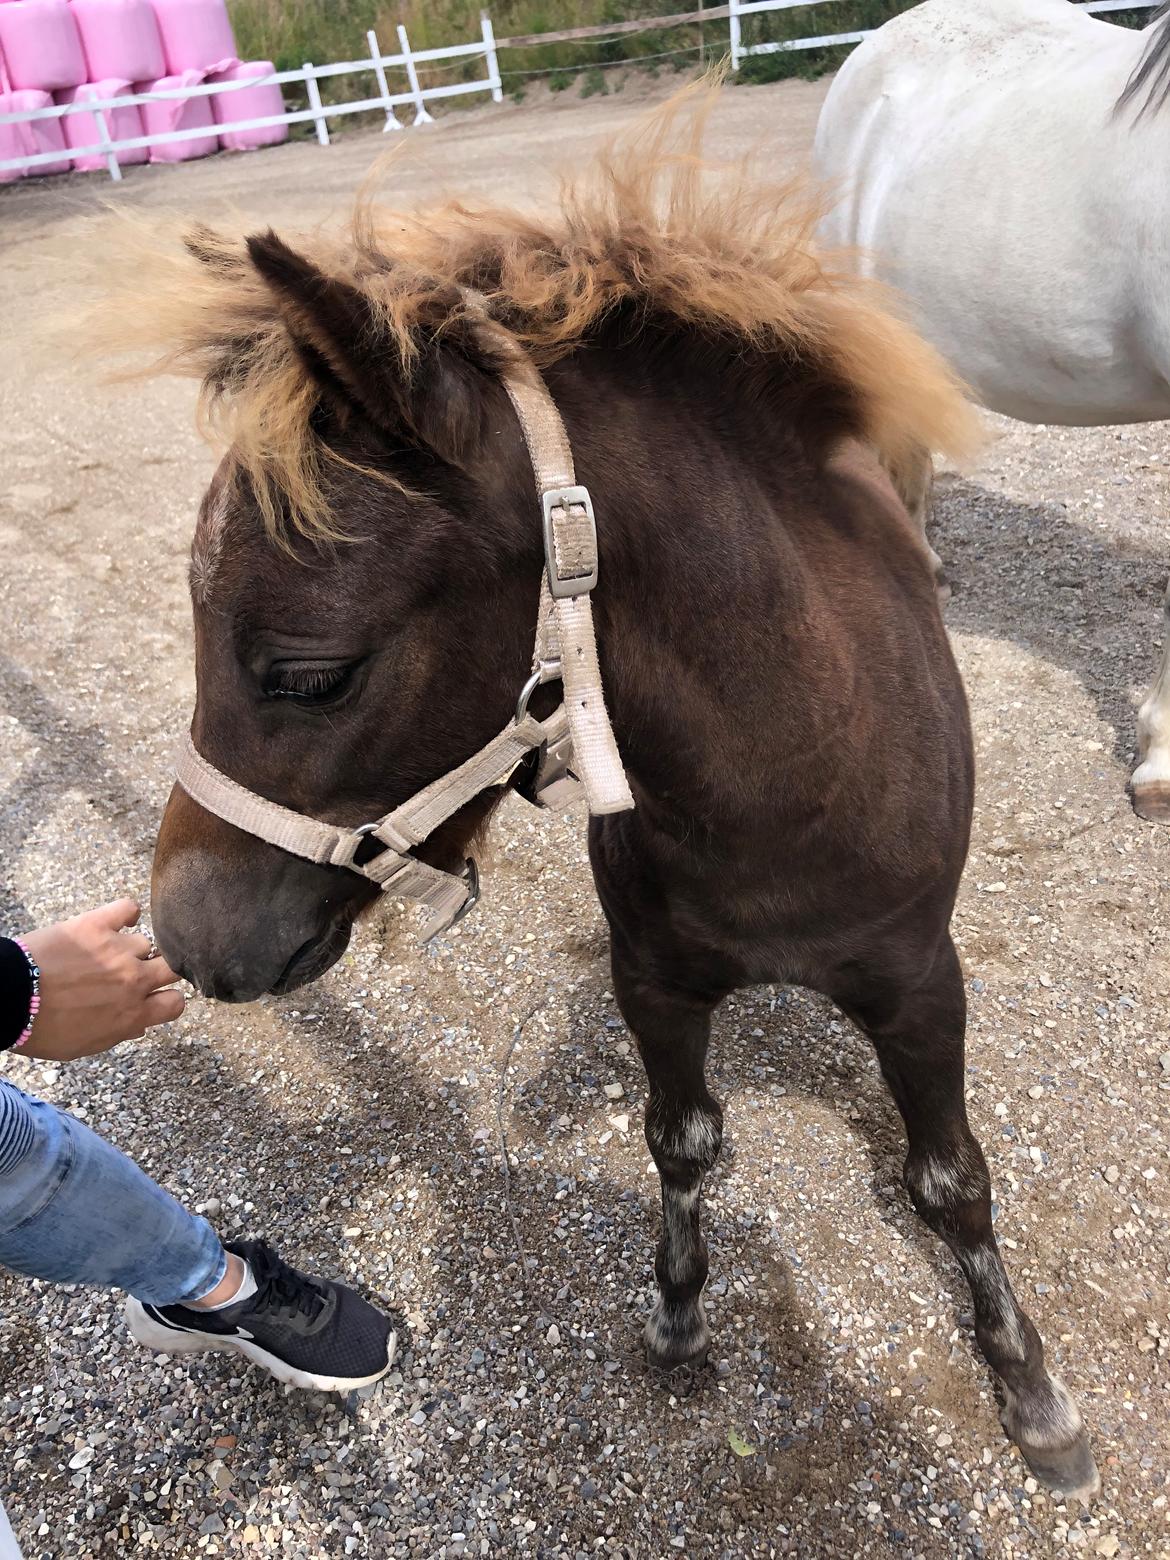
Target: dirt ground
<point x="357" y="1124"/>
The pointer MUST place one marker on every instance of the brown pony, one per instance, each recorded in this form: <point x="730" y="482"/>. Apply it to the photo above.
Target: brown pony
<point x="365" y="578"/>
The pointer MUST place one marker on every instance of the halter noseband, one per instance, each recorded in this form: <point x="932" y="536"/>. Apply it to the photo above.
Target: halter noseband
<point x="575" y="746"/>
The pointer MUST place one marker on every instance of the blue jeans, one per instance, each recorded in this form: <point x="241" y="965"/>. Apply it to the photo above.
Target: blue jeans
<point x="73" y="1210"/>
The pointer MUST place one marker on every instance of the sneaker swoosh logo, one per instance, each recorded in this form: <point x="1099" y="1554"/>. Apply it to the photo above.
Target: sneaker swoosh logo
<point x="242" y="1332"/>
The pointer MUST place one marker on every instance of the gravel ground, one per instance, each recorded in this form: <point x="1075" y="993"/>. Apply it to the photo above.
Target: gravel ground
<point x="358" y="1124"/>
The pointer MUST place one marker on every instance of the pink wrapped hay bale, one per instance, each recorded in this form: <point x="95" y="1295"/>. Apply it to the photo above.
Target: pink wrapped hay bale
<point x="120" y="39"/>
<point x="123" y="124"/>
<point x="178" y="114"/>
<point x="31" y="137"/>
<point x="11" y="142"/>
<point x="41" y="45"/>
<point x="259" y="102"/>
<point x="196" y="35"/>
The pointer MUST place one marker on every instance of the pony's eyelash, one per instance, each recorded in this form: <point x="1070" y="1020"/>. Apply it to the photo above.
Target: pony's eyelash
<point x="308" y="683"/>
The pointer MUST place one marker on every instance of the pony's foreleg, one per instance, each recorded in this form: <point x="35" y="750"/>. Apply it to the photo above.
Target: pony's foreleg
<point x="916" y="1025"/>
<point x="684" y="1128"/>
<point x="1150" y="785"/>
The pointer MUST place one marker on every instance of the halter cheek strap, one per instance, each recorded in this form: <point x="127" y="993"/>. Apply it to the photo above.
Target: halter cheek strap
<point x="565" y="638"/>
<point x="575" y="745"/>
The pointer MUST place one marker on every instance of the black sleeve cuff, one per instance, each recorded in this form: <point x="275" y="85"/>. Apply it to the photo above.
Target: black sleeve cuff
<point x="16" y="990"/>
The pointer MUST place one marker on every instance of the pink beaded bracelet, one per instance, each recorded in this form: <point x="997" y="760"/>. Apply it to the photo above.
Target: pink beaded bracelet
<point x="34" y="1006"/>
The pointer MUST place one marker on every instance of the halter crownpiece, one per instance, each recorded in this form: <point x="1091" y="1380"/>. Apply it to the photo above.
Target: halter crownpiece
<point x="575" y="745"/>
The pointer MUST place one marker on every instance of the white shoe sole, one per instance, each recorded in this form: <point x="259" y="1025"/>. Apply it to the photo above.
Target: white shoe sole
<point x="176" y="1340"/>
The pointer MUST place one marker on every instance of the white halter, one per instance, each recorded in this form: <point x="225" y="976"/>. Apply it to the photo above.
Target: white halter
<point x="576" y="743"/>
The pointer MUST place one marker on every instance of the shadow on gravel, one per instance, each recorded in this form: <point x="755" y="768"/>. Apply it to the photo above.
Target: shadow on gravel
<point x="71" y="755"/>
<point x="1026" y="573"/>
<point x="768" y="1377"/>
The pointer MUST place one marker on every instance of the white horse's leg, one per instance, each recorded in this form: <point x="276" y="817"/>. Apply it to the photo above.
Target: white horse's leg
<point x="1151" y="778"/>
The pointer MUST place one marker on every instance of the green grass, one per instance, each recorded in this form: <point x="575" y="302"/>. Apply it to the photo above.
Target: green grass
<point x="291" y="32"/>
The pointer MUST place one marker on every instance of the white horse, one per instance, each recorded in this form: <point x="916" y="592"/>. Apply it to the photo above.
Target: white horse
<point x="1006" y="164"/>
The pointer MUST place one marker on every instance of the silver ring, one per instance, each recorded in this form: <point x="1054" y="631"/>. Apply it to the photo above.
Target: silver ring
<point x="547" y="671"/>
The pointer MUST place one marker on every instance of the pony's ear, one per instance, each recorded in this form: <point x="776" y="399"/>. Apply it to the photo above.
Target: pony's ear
<point x="437" y="394"/>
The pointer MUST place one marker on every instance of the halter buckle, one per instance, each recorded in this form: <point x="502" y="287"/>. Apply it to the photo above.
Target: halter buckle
<point x="570" y="541"/>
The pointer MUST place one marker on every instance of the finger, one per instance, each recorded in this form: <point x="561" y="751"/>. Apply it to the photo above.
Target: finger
<point x="157" y="972"/>
<point x="163" y="1007"/>
<point x="120" y="913"/>
<point x="137" y="944"/>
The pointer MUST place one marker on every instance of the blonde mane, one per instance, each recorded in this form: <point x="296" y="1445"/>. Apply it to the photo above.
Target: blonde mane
<point x="651" y="224"/>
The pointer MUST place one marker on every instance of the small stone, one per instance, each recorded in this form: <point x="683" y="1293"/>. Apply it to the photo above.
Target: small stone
<point x="211" y="1208"/>
<point x="1108" y="1546"/>
<point x="212" y="1524"/>
<point x="1165" y="1060"/>
<point x="1112" y="1174"/>
<point x="622" y="1123"/>
<point x="251" y="1534"/>
<point x="82" y="1459"/>
<point x="1036" y="1092"/>
<point x="614" y="1091"/>
<point x="553" y="1335"/>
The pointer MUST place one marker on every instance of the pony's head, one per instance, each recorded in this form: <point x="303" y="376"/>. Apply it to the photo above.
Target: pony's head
<point x="364" y="580"/>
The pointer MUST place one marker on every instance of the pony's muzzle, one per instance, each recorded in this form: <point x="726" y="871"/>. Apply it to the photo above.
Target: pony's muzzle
<point x="239" y="918"/>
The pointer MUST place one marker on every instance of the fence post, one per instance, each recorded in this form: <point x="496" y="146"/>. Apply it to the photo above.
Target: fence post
<point x="315" y="105"/>
<point x="736" y="42"/>
<point x="421" y="117"/>
<point x="392" y="120"/>
<point x="105" y="138"/>
<point x="493" y="64"/>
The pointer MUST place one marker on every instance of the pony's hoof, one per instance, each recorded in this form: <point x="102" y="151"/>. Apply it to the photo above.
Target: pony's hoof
<point x="676" y="1337"/>
<point x="1151" y="800"/>
<point x="1070" y="1470"/>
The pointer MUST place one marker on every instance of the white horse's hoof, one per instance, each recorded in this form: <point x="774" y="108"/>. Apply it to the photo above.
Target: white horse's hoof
<point x="1151" y="799"/>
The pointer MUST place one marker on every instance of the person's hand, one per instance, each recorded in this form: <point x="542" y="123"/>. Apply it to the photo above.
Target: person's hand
<point x="99" y="985"/>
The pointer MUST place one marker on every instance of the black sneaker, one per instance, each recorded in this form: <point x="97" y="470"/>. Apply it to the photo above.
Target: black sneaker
<point x="306" y="1331"/>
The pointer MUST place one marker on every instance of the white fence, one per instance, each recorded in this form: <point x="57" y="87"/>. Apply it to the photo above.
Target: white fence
<point x="741" y="8"/>
<point x="319" y="113"/>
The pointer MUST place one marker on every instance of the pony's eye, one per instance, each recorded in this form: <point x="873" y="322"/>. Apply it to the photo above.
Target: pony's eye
<point x="308" y="684"/>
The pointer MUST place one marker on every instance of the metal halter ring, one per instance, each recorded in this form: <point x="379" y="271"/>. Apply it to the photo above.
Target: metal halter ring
<point x="547" y="671"/>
